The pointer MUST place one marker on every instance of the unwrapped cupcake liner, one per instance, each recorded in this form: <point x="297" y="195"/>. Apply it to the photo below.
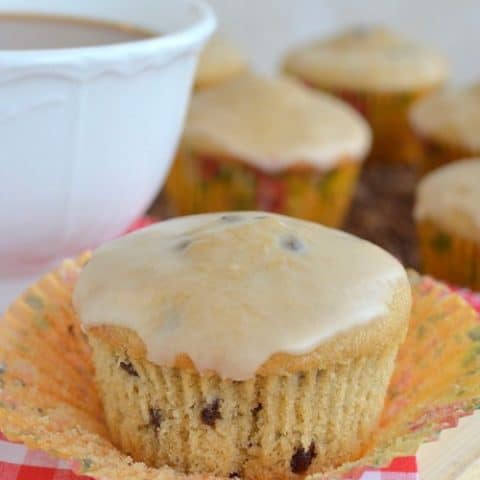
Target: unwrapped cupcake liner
<point x="48" y="399"/>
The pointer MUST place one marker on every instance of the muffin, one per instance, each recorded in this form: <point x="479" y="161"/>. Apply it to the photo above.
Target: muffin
<point x="379" y="73"/>
<point x="270" y="144"/>
<point x="219" y="62"/>
<point x="447" y="213"/>
<point x="244" y="345"/>
<point x="448" y="124"/>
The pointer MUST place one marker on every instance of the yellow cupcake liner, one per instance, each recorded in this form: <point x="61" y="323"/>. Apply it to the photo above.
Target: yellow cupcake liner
<point x="436" y="154"/>
<point x="48" y="398"/>
<point x="449" y="256"/>
<point x="199" y="184"/>
<point x="388" y="115"/>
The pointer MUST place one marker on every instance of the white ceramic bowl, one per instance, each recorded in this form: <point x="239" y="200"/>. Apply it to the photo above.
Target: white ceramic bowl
<point x="87" y="134"/>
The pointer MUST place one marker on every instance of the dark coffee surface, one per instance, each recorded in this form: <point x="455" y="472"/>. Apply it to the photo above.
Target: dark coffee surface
<point x="35" y="32"/>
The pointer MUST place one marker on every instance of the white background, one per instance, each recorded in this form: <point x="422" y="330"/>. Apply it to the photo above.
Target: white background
<point x="265" y="29"/>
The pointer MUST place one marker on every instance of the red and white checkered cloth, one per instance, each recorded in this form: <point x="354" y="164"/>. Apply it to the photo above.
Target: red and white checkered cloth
<point x="19" y="463"/>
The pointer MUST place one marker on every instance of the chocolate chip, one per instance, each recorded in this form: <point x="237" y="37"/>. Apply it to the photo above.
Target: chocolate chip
<point x="292" y="243"/>
<point x="234" y="475"/>
<point x="155" y="415"/>
<point x="211" y="413"/>
<point x="129" y="368"/>
<point x="183" y="245"/>
<point x="302" y="459"/>
<point x="257" y="409"/>
<point x="71" y="330"/>
<point x="231" y="218"/>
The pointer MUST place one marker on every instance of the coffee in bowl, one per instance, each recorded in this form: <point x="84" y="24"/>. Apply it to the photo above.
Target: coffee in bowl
<point x="35" y="31"/>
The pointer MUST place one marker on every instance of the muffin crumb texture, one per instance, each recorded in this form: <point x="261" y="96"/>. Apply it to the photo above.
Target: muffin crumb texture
<point x="282" y="426"/>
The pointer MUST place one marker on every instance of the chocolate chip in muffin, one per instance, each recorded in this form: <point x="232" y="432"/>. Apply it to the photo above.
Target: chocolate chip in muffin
<point x="257" y="409"/>
<point x="292" y="243"/>
<point x="71" y="330"/>
<point x="234" y="475"/>
<point x="129" y="368"/>
<point x="302" y="459"/>
<point x="211" y="413"/>
<point x="183" y="245"/>
<point x="155" y="415"/>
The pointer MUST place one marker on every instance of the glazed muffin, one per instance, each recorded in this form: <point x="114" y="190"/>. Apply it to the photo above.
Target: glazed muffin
<point x="269" y="144"/>
<point x="219" y="62"/>
<point x="448" y="124"/>
<point x="447" y="212"/>
<point x="379" y="73"/>
<point x="247" y="344"/>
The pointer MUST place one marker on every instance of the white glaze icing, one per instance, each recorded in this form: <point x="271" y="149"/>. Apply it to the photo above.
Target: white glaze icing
<point x="450" y="196"/>
<point x="452" y="116"/>
<point x="219" y="60"/>
<point x="274" y="123"/>
<point x="231" y="292"/>
<point x="368" y="59"/>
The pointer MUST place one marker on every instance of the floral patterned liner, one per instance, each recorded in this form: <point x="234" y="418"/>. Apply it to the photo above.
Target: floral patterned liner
<point x="48" y="399"/>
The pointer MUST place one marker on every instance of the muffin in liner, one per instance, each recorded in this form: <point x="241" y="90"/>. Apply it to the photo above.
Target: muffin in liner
<point x="48" y="398"/>
<point x="394" y="142"/>
<point x="268" y="144"/>
<point x="448" y="222"/>
<point x="448" y="255"/>
<point x="447" y="123"/>
<point x="379" y="73"/>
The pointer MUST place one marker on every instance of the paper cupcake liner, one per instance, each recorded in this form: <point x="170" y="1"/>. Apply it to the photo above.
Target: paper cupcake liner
<point x="436" y="153"/>
<point x="449" y="256"/>
<point x="48" y="398"/>
<point x="387" y="114"/>
<point x="199" y="184"/>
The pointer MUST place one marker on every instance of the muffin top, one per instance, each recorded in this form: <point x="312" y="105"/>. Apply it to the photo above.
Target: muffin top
<point x="450" y="196"/>
<point x="274" y="123"/>
<point x="224" y="293"/>
<point x="219" y="61"/>
<point x="451" y="116"/>
<point x="368" y="59"/>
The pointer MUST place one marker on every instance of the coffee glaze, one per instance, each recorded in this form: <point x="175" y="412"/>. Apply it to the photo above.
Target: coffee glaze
<point x="231" y="290"/>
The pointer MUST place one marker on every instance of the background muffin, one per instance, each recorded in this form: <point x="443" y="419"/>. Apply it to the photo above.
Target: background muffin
<point x="379" y="73"/>
<point x="257" y="143"/>
<point x="448" y="215"/>
<point x="219" y="62"/>
<point x="448" y="123"/>
<point x="268" y="356"/>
